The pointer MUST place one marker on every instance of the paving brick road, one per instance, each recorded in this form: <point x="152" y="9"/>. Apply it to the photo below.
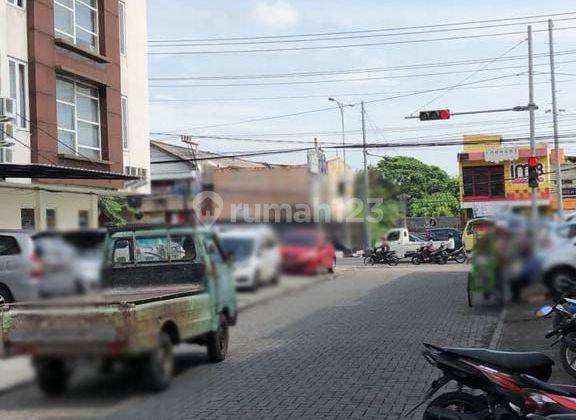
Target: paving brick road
<point x="347" y="348"/>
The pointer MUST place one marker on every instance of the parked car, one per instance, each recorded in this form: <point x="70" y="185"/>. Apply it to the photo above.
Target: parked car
<point x="443" y="234"/>
<point x="89" y="247"/>
<point x="59" y="261"/>
<point x="558" y="261"/>
<point x="256" y="256"/>
<point x="146" y="308"/>
<point x="20" y="267"/>
<point x="307" y="251"/>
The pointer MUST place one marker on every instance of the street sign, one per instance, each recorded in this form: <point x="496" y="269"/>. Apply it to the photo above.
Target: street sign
<point x="440" y="114"/>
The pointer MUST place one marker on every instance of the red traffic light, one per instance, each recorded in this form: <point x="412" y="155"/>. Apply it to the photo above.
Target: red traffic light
<point x="532" y="161"/>
<point x="440" y="114"/>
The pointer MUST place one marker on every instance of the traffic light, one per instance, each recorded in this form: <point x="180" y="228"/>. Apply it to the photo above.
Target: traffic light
<point x="440" y="114"/>
<point x="533" y="172"/>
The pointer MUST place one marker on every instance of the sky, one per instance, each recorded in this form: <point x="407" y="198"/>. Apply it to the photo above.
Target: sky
<point x="182" y="106"/>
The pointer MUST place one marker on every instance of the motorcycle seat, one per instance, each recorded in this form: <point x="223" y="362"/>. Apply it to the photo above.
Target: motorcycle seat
<point x="559" y="389"/>
<point x="532" y="363"/>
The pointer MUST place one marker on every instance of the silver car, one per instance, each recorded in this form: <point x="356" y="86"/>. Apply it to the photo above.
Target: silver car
<point x="20" y="267"/>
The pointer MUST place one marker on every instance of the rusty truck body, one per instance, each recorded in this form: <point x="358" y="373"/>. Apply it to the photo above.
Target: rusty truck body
<point x="161" y="287"/>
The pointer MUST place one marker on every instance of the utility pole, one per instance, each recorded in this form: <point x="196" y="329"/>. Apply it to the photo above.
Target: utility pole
<point x="532" y="107"/>
<point x="559" y="200"/>
<point x="367" y="241"/>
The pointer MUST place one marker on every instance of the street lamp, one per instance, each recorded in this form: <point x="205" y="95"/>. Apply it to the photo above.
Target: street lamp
<point x="341" y="106"/>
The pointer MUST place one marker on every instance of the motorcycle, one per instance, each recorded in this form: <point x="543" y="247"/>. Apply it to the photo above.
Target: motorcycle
<point x="459" y="255"/>
<point x="426" y="254"/>
<point x="380" y="257"/>
<point x="513" y="385"/>
<point x="564" y="329"/>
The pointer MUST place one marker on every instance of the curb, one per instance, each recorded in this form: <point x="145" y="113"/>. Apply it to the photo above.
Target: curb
<point x="497" y="334"/>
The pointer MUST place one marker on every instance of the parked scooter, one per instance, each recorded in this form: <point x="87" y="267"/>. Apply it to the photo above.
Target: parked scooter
<point x="564" y="329"/>
<point x="513" y="385"/>
<point x="380" y="257"/>
<point x="459" y="255"/>
<point x="427" y="254"/>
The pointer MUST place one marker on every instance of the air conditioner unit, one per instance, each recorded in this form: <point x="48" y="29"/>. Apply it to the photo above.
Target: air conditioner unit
<point x="7" y="108"/>
<point x="6" y="132"/>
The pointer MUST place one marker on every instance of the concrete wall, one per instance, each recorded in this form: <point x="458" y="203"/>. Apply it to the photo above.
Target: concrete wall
<point x="134" y="69"/>
<point x="66" y="203"/>
<point x="14" y="44"/>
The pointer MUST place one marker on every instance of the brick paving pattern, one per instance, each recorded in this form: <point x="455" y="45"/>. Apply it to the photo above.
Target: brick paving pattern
<point x="348" y="348"/>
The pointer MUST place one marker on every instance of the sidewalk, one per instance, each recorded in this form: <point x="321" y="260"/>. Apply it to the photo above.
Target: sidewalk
<point x="18" y="371"/>
<point x="522" y="331"/>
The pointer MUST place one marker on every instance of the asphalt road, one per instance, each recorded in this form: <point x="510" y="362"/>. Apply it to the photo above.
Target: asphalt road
<point x="345" y="348"/>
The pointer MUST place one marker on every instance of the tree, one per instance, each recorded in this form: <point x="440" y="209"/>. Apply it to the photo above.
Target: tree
<point x="387" y="208"/>
<point x="408" y="175"/>
<point x="437" y="204"/>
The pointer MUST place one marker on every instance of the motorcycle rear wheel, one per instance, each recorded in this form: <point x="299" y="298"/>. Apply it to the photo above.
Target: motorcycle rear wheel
<point x="461" y="258"/>
<point x="369" y="260"/>
<point x="392" y="261"/>
<point x="568" y="357"/>
<point x="459" y="402"/>
<point x="416" y="260"/>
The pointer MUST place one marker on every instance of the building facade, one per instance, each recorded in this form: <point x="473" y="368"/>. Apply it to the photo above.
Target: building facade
<point x="494" y="176"/>
<point x="76" y="71"/>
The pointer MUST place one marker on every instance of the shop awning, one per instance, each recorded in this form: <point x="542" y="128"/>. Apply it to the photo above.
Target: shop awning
<point x="41" y="171"/>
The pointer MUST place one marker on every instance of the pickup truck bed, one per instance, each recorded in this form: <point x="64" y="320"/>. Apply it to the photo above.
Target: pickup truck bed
<point x="106" y="323"/>
<point x="114" y="296"/>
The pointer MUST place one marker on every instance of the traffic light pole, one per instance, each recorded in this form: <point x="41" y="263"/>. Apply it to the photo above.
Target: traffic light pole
<point x="532" y="106"/>
<point x="559" y="200"/>
<point x="367" y="243"/>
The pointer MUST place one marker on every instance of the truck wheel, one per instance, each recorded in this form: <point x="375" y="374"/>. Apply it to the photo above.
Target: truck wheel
<point x="218" y="342"/>
<point x="5" y="294"/>
<point x="158" y="366"/>
<point x="52" y="375"/>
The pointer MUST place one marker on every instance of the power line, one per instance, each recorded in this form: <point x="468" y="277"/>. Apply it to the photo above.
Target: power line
<point x="359" y="146"/>
<point x="468" y="77"/>
<point x="349" y="94"/>
<point x="369" y="44"/>
<point x="436" y="64"/>
<point x="443" y="25"/>
<point x="338" y="38"/>
<point x="294" y="114"/>
<point x="402" y="76"/>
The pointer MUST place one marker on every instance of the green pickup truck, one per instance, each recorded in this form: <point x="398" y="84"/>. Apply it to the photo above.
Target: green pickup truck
<point x="162" y="286"/>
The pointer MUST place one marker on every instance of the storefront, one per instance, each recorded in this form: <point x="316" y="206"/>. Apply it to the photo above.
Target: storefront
<point x="494" y="176"/>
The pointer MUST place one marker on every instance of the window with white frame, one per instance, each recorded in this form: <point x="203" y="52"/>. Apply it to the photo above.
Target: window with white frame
<point x="124" y="110"/>
<point x="78" y="109"/>
<point x="18" y="90"/>
<point x="19" y="3"/>
<point x="77" y="21"/>
<point x="122" y="26"/>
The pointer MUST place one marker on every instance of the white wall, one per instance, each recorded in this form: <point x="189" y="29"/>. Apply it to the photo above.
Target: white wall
<point x="14" y="44"/>
<point x="66" y="203"/>
<point x="134" y="68"/>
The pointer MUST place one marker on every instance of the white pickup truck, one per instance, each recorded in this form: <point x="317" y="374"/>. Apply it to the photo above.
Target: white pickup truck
<point x="401" y="241"/>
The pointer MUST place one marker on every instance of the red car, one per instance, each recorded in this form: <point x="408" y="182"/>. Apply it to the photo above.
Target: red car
<point x="307" y="251"/>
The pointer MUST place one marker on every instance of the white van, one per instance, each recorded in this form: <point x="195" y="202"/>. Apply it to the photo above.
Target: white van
<point x="256" y="253"/>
